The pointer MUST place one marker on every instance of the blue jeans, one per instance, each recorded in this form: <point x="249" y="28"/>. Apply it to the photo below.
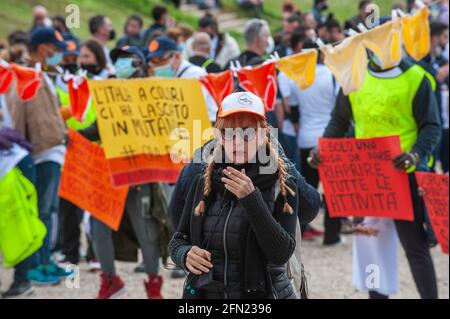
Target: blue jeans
<point x="22" y="268"/>
<point x="47" y="184"/>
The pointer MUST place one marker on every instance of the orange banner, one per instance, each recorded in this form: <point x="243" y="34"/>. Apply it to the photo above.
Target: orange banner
<point x="86" y="182"/>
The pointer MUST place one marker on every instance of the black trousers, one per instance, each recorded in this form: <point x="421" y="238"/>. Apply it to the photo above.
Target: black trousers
<point x="332" y="225"/>
<point x="414" y="241"/>
<point x="70" y="217"/>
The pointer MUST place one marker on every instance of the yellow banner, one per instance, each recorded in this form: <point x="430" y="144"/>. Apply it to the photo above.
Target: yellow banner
<point x="149" y="116"/>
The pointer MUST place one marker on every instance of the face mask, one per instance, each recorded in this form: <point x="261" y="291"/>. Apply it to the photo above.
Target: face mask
<point x="71" y="68"/>
<point x="55" y="59"/>
<point x="112" y="34"/>
<point x="124" y="68"/>
<point x="90" y="68"/>
<point x="165" y="71"/>
<point x="182" y="46"/>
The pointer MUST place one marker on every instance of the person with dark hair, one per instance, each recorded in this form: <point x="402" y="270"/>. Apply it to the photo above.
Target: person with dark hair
<point x="237" y="232"/>
<point x="102" y="31"/>
<point x="59" y="23"/>
<point x="255" y="6"/>
<point x="287" y="111"/>
<point x="93" y="59"/>
<point x="223" y="45"/>
<point x="363" y="13"/>
<point x="132" y="32"/>
<point x="415" y="118"/>
<point x="161" y="18"/>
<point x="289" y="25"/>
<point x="19" y="47"/>
<point x="148" y="224"/>
<point x="18" y="37"/>
<point x="334" y="29"/>
<point x="319" y="7"/>
<point x="438" y="66"/>
<point x="40" y="122"/>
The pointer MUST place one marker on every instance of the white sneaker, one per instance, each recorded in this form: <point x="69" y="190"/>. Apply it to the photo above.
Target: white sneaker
<point x="94" y="266"/>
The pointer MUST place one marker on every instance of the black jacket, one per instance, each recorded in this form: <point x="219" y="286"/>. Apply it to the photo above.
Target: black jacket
<point x="309" y="198"/>
<point x="250" y="240"/>
<point x="425" y="110"/>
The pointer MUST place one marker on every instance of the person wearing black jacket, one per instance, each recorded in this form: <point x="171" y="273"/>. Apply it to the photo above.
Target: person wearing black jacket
<point x="238" y="225"/>
<point x="309" y="198"/>
<point x="256" y="36"/>
<point x="201" y="46"/>
<point x="399" y="101"/>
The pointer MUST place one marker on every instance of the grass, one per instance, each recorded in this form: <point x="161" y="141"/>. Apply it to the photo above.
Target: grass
<point x="16" y="15"/>
<point x="342" y="9"/>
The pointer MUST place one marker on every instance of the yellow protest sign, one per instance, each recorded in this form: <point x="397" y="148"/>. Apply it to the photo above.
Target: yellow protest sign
<point x="142" y="122"/>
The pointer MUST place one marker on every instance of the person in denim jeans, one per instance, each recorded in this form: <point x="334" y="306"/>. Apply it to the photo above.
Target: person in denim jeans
<point x="40" y="122"/>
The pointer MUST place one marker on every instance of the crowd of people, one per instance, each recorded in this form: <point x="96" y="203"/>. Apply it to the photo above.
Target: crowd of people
<point x="155" y="213"/>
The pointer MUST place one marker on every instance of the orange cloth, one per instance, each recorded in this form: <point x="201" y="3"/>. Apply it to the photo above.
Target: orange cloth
<point x="219" y="85"/>
<point x="28" y="81"/>
<point x="79" y="98"/>
<point x="261" y="81"/>
<point x="416" y="34"/>
<point x="300" y="67"/>
<point x="6" y="77"/>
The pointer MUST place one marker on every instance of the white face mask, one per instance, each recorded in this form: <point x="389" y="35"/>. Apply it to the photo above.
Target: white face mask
<point x="271" y="45"/>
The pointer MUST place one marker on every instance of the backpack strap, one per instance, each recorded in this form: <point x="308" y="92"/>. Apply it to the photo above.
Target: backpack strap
<point x="183" y="71"/>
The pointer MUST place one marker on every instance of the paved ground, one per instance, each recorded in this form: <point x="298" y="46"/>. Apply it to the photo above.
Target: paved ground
<point x="328" y="268"/>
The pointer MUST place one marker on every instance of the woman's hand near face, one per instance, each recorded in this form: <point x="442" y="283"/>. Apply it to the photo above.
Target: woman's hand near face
<point x="237" y="182"/>
<point x="198" y="261"/>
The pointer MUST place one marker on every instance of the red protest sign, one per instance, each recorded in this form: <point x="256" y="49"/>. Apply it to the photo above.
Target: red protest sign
<point x="86" y="182"/>
<point x="359" y="178"/>
<point x="435" y="187"/>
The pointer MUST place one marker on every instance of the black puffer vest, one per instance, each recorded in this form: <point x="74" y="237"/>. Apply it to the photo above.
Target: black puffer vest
<point x="226" y="226"/>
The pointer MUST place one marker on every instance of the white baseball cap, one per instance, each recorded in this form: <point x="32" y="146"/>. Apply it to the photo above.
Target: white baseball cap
<point x="242" y="102"/>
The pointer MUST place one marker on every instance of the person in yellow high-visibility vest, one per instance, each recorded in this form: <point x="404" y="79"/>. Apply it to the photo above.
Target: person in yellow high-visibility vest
<point x="398" y="101"/>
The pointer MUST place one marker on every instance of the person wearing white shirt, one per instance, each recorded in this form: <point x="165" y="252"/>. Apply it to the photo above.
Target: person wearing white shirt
<point x="165" y="60"/>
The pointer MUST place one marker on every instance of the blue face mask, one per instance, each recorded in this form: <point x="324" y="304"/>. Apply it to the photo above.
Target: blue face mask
<point x="55" y="59"/>
<point x="124" y="68"/>
<point x="165" y="71"/>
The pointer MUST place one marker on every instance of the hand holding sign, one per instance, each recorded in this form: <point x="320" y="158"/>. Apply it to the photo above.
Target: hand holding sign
<point x="359" y="178"/>
<point x="86" y="182"/>
<point x="435" y="193"/>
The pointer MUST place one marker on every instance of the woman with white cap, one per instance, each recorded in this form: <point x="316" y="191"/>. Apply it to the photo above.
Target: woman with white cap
<point x="237" y="233"/>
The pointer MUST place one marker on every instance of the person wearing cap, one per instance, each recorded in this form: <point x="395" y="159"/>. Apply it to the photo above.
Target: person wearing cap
<point x="165" y="59"/>
<point x="40" y="122"/>
<point x="241" y="216"/>
<point x="129" y="62"/>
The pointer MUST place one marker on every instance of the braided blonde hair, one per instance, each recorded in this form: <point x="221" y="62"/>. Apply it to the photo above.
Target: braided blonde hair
<point x="233" y="121"/>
